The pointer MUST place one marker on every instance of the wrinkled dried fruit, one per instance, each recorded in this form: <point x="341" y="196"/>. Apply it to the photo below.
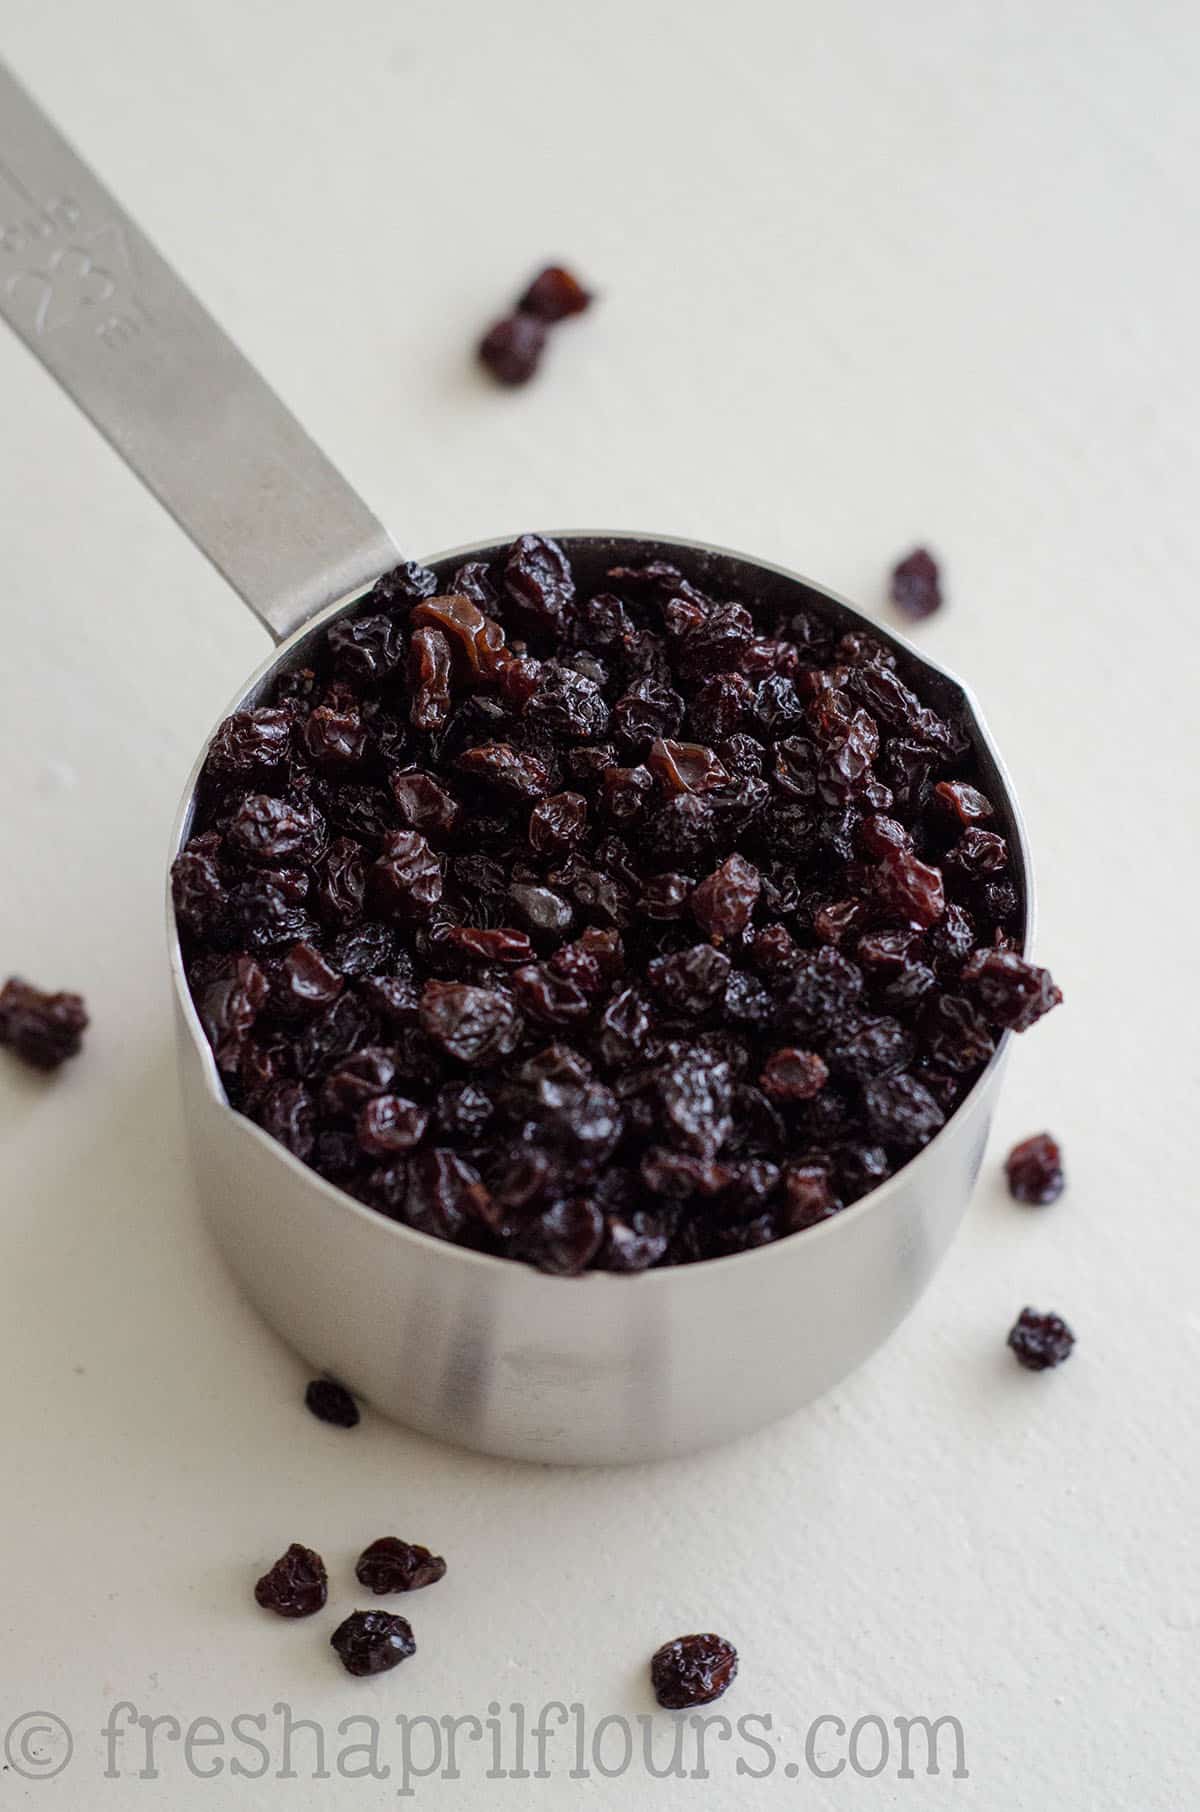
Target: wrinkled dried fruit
<point x="554" y="294"/>
<point x="692" y="1670"/>
<point x="724" y="902"/>
<point x="390" y="1124"/>
<point x="1040" y="1341"/>
<point x="512" y="348"/>
<point x="808" y="1195"/>
<point x="916" y="584"/>
<point x="497" y="764"/>
<point x="45" y="1029"/>
<point x="296" y="1586"/>
<point x="908" y="888"/>
<point x="229" y="1001"/>
<point x="392" y="1565"/>
<point x="331" y="1402"/>
<point x="558" y="823"/>
<point x="372" y="1642"/>
<point x="686" y="767"/>
<point x="1035" y="1171"/>
<point x="429" y="679"/>
<point x="966" y="803"/>
<point x="791" y="1075"/>
<point x="475" y="1026"/>
<point x="407" y="877"/>
<point x="424" y="805"/>
<point x="901" y="1111"/>
<point x="1012" y="992"/>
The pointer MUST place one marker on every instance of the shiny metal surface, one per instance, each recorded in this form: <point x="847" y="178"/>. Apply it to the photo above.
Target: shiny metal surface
<point x="128" y="341"/>
<point x="602" y="1368"/>
<point x="466" y="1347"/>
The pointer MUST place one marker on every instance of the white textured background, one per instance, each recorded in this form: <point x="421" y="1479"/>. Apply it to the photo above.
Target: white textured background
<point x="871" y="274"/>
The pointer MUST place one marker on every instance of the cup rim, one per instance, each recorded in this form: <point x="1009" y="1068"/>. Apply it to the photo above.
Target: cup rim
<point x="873" y="1202"/>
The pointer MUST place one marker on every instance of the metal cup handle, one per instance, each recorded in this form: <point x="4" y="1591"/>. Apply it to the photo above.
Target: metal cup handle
<point x="128" y="341"/>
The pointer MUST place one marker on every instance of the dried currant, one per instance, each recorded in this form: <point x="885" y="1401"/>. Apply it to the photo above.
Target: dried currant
<point x="692" y="1670"/>
<point x="331" y="1402"/>
<point x="1040" y="1341"/>
<point x="296" y="1586"/>
<point x="916" y="584"/>
<point x="1012" y="991"/>
<point x="45" y="1029"/>
<point x="372" y="1642"/>
<point x="791" y="1075"/>
<point x="1035" y="1171"/>
<point x="724" y="902"/>
<point x="554" y="294"/>
<point x="406" y="878"/>
<point x="475" y="1026"/>
<point x="392" y="1565"/>
<point x="512" y="348"/>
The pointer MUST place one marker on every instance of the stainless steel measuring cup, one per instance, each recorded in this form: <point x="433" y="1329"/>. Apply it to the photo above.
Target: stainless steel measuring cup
<point x="470" y="1348"/>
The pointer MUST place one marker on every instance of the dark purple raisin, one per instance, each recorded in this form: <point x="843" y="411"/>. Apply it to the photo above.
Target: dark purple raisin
<point x="392" y="1565"/>
<point x="539" y="584"/>
<point x="977" y="854"/>
<point x="372" y="1642"/>
<point x="45" y="1029"/>
<point x="1035" y="1171"/>
<point x="1040" y="1341"/>
<point x="335" y="739"/>
<point x="808" y="1196"/>
<point x="1011" y="991"/>
<point x="900" y="1111"/>
<point x="563" y="1239"/>
<point x="863" y="1047"/>
<point x="907" y="888"/>
<point x="476" y="1026"/>
<point x="724" y="902"/>
<point x="463" y="1110"/>
<point x="444" y="1194"/>
<point x="391" y="1125"/>
<point x="964" y="802"/>
<point x="198" y="887"/>
<point x="405" y="584"/>
<point x="429" y="679"/>
<point x="554" y="294"/>
<point x="286" y="1112"/>
<point x="916" y="584"/>
<point x="406" y="879"/>
<point x="791" y="1075"/>
<point x="422" y="804"/>
<point x="356" y="1080"/>
<point x="510" y="771"/>
<point x="954" y="1034"/>
<point x="696" y="1096"/>
<point x="304" y="982"/>
<point x="229" y="1001"/>
<point x="690" y="981"/>
<point x="822" y="989"/>
<point x="558" y="823"/>
<point x="368" y="649"/>
<point x="250" y="745"/>
<point x="568" y="705"/>
<point x="331" y="1402"/>
<point x="512" y="348"/>
<point x="296" y="1586"/>
<point x="692" y="1670"/>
